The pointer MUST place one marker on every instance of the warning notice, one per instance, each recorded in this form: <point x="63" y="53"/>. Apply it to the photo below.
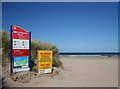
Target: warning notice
<point x="44" y="62"/>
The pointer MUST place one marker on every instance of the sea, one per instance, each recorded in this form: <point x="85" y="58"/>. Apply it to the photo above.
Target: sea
<point x="108" y="54"/>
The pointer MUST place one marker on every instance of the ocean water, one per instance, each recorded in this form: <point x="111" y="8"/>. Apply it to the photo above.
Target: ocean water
<point x="109" y="54"/>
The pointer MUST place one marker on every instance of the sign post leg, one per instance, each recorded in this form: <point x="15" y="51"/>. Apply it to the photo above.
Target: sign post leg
<point x="30" y="65"/>
<point x="11" y="59"/>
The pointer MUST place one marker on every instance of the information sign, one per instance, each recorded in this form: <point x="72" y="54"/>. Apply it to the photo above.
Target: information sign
<point x="20" y="49"/>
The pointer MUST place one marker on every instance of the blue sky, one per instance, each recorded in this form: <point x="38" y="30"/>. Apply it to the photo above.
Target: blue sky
<point x="71" y="26"/>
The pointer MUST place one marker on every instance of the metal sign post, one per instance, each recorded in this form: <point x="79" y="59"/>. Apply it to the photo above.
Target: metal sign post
<point x="11" y="62"/>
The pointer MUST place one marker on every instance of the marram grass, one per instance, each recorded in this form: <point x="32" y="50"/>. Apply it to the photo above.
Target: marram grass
<point x="35" y="46"/>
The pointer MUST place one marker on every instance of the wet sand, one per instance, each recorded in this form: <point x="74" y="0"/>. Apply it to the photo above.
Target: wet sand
<point x="77" y="72"/>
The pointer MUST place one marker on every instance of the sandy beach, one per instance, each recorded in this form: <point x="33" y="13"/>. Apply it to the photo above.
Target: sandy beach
<point x="77" y="72"/>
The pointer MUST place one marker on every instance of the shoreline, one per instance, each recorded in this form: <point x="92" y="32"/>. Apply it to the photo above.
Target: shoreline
<point x="89" y="57"/>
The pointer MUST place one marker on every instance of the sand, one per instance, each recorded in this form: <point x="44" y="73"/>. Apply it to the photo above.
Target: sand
<point x="77" y="72"/>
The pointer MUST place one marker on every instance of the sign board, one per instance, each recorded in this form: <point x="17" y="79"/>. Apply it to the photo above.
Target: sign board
<point x="20" y="49"/>
<point x="44" y="61"/>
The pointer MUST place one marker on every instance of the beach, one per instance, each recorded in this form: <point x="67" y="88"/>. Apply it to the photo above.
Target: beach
<point x="78" y="72"/>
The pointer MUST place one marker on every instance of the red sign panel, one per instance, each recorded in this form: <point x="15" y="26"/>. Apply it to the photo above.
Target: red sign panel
<point x="19" y="33"/>
<point x="20" y="52"/>
<point x="20" y="42"/>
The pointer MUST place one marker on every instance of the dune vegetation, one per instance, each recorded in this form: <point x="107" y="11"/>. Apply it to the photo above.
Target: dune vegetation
<point x="35" y="46"/>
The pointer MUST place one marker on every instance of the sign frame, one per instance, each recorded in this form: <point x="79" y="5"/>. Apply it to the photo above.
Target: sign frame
<point x="11" y="50"/>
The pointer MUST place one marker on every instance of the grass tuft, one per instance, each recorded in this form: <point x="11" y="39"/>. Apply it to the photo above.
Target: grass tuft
<point x="36" y="45"/>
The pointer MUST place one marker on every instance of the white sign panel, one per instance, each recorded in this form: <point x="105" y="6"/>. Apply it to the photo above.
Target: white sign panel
<point x="20" y="44"/>
<point x="20" y="69"/>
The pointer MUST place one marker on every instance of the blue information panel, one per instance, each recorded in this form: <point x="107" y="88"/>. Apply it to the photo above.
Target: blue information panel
<point x="21" y="64"/>
<point x="21" y="61"/>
